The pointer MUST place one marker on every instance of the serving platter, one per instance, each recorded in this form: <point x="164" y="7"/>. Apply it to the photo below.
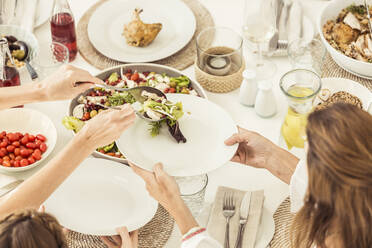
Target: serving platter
<point x="205" y="125"/>
<point x="136" y="67"/>
<point x="99" y="196"/>
<point x="106" y="26"/>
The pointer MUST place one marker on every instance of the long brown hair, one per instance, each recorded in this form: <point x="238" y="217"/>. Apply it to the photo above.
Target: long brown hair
<point x="338" y="205"/>
<point x="31" y="229"/>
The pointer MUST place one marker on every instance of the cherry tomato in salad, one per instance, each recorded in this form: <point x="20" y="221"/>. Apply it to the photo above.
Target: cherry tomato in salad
<point x="102" y="151"/>
<point x="134" y="77"/>
<point x="2" y="134"/>
<point x="3" y="152"/>
<point x="3" y="144"/>
<point x="6" y="163"/>
<point x="17" y="163"/>
<point x="18" y="158"/>
<point x="112" y="154"/>
<point x="16" y="143"/>
<point x="31" y="160"/>
<point x="172" y="90"/>
<point x="31" y="138"/>
<point x="24" y="140"/>
<point x="12" y="137"/>
<point x="10" y="148"/>
<point x="24" y="152"/>
<point x="6" y="158"/>
<point x="11" y="156"/>
<point x="17" y="151"/>
<point x="30" y="145"/>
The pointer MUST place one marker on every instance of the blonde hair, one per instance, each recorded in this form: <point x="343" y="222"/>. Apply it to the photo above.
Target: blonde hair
<point x="31" y="229"/>
<point x="338" y="206"/>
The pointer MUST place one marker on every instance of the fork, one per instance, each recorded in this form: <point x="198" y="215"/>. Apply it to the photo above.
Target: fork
<point x="228" y="210"/>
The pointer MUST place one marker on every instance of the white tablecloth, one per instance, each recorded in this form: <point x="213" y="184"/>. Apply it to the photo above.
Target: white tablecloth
<point x="225" y="13"/>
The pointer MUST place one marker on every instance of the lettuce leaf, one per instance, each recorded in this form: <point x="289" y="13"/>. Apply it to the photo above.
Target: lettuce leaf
<point x="72" y="123"/>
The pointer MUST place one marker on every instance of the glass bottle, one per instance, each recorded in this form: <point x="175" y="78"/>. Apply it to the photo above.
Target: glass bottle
<point x="9" y="75"/>
<point x="62" y="25"/>
<point x="300" y="86"/>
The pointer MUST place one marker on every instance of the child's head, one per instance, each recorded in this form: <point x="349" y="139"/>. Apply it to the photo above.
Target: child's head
<point x="31" y="229"/>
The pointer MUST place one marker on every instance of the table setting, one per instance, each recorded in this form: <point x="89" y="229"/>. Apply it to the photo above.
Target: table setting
<point x="263" y="65"/>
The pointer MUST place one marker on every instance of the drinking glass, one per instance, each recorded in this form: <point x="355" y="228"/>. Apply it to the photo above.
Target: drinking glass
<point x="304" y="54"/>
<point x="222" y="56"/>
<point x="50" y="57"/>
<point x="193" y="191"/>
<point x="259" y="26"/>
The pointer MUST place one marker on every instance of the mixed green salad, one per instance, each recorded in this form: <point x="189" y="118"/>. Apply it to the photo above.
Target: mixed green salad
<point x="162" y="111"/>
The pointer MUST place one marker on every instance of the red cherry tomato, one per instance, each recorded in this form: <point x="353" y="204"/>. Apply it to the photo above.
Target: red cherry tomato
<point x="172" y="90"/>
<point x="1" y="161"/>
<point x="37" y="143"/>
<point x="31" y="137"/>
<point x="24" y="162"/>
<point x="12" y="137"/>
<point x="17" y="163"/>
<point x="41" y="137"/>
<point x="6" y="158"/>
<point x="10" y="148"/>
<point x="19" y="135"/>
<point x="16" y="143"/>
<point x="6" y="163"/>
<point x="134" y="77"/>
<point x="24" y="152"/>
<point x="17" y="151"/>
<point x="11" y="163"/>
<point x="24" y="140"/>
<point x="2" y="134"/>
<point x="11" y="156"/>
<point x="18" y="158"/>
<point x="30" y="145"/>
<point x="3" y="144"/>
<point x="36" y="156"/>
<point x="43" y="147"/>
<point x="31" y="160"/>
<point x="3" y="153"/>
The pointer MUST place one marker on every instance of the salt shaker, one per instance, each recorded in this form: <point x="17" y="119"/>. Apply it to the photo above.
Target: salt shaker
<point x="265" y="105"/>
<point x="248" y="89"/>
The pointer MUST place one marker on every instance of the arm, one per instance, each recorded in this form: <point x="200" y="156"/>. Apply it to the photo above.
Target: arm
<point x="59" y="86"/>
<point x="99" y="131"/>
<point x="257" y="151"/>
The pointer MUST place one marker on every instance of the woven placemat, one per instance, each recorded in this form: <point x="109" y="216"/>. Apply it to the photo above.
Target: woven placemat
<point x="180" y="60"/>
<point x="153" y="235"/>
<point x="331" y="69"/>
<point x="283" y="220"/>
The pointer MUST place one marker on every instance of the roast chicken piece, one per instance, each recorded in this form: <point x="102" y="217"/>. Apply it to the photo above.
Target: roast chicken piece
<point x="140" y="34"/>
<point x="343" y="34"/>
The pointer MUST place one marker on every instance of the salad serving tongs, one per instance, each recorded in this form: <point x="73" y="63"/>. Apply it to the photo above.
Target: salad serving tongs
<point x="136" y="92"/>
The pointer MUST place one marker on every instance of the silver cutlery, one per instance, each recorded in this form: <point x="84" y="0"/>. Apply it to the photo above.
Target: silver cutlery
<point x="244" y="212"/>
<point x="10" y="187"/>
<point x="228" y="210"/>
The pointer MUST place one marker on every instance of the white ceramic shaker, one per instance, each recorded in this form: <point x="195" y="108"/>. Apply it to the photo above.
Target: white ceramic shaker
<point x="248" y="89"/>
<point x="265" y="105"/>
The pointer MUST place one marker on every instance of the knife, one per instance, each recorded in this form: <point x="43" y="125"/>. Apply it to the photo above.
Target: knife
<point x="244" y="212"/>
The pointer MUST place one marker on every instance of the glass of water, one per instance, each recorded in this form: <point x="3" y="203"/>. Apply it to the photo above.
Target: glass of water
<point x="193" y="191"/>
<point x="50" y="57"/>
<point x="305" y="54"/>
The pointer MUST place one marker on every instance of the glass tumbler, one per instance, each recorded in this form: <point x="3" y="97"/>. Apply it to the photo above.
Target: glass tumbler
<point x="222" y="56"/>
<point x="193" y="191"/>
<point x="50" y="57"/>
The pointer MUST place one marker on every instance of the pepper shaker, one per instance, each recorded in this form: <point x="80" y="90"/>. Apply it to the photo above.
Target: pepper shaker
<point x="265" y="105"/>
<point x="248" y="89"/>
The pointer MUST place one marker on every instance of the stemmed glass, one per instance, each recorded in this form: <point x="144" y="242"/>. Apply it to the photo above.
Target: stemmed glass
<point x="259" y="26"/>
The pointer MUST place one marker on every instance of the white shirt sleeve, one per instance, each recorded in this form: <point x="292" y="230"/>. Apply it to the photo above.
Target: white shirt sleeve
<point x="298" y="186"/>
<point x="201" y="240"/>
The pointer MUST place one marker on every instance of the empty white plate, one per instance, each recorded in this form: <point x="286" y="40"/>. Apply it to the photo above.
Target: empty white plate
<point x="106" y="26"/>
<point x="100" y="196"/>
<point x="205" y="125"/>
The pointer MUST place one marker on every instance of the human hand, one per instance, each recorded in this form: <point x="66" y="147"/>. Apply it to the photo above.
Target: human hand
<point x="61" y="84"/>
<point x="160" y="186"/>
<point x="106" y="127"/>
<point x="254" y="149"/>
<point x="165" y="190"/>
<point x="123" y="240"/>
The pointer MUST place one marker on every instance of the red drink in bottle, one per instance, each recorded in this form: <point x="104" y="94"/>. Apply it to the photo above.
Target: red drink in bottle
<point x="62" y="25"/>
<point x="63" y="31"/>
<point x="11" y="77"/>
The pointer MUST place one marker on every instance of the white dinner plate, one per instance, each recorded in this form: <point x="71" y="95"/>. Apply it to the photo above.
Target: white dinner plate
<point x="205" y="125"/>
<point x="43" y="12"/>
<point x="106" y="26"/>
<point x="30" y="121"/>
<point x="350" y="86"/>
<point x="99" y="196"/>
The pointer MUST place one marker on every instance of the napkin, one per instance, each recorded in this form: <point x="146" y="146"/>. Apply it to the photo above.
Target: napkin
<point x="7" y="183"/>
<point x="217" y="222"/>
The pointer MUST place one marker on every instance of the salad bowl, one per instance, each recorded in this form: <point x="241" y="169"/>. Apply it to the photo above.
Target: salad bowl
<point x="140" y="67"/>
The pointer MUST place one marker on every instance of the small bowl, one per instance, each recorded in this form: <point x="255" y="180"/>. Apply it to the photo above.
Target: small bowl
<point x="21" y="34"/>
<point x="25" y="120"/>
<point x="141" y="68"/>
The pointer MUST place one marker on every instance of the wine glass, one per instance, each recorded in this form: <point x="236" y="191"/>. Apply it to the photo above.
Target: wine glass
<point x="259" y="26"/>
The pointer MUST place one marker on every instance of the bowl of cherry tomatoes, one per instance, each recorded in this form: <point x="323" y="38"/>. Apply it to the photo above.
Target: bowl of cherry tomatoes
<point x="27" y="137"/>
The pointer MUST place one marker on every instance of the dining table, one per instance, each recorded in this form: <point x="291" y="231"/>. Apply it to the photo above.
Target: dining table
<point x="234" y="175"/>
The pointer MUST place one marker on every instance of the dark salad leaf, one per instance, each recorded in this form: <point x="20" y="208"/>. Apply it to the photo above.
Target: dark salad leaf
<point x="175" y="131"/>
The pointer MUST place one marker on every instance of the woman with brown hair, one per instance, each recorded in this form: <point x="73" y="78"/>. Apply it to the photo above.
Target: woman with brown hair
<point x="337" y="209"/>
